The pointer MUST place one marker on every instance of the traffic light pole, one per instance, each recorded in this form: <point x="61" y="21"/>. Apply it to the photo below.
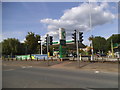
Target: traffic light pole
<point x="92" y="56"/>
<point x="77" y="36"/>
<point x="47" y="48"/>
<point x="77" y="49"/>
<point x="78" y="54"/>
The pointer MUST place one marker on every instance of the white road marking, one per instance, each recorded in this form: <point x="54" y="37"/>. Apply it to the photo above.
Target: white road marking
<point x="97" y="72"/>
<point x="26" y="67"/>
<point x="23" y="67"/>
<point x="29" y="66"/>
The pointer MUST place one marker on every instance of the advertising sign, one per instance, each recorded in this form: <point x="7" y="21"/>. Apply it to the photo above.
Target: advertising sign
<point x="38" y="56"/>
<point x="62" y="34"/>
<point x="23" y="57"/>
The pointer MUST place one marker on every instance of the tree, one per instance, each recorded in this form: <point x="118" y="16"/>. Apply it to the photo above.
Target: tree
<point x="115" y="39"/>
<point x="91" y="38"/>
<point x="11" y="46"/>
<point x="99" y="44"/>
<point x="32" y="42"/>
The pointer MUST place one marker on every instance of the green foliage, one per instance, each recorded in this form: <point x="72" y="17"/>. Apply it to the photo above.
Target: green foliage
<point x="99" y="44"/>
<point x="32" y="43"/>
<point x="11" y="46"/>
<point x="115" y="39"/>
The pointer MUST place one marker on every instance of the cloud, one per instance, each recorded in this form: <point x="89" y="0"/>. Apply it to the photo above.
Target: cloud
<point x="78" y="18"/>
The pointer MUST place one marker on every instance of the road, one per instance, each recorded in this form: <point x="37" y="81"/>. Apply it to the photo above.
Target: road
<point x="34" y="77"/>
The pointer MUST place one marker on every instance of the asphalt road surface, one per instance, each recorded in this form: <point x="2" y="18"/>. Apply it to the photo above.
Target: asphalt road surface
<point x="34" y="77"/>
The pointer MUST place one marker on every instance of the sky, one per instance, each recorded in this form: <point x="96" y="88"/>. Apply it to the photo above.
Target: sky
<point x="43" y="18"/>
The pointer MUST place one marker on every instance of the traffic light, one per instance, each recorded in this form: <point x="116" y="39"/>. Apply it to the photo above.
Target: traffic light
<point x="74" y="36"/>
<point x="51" y="40"/>
<point x="46" y="41"/>
<point x="80" y="37"/>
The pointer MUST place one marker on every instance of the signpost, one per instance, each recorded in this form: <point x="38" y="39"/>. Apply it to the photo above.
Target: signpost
<point x="62" y="38"/>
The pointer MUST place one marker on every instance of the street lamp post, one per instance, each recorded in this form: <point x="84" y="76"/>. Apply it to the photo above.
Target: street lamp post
<point x="91" y="30"/>
<point x="39" y="48"/>
<point x="92" y="56"/>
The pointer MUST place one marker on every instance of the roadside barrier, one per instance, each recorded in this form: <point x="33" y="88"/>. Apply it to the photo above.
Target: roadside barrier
<point x="12" y="59"/>
<point x="52" y="59"/>
<point x="31" y="59"/>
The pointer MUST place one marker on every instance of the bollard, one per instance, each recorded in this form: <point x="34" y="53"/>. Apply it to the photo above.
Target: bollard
<point x="31" y="59"/>
<point x="44" y="58"/>
<point x="37" y="58"/>
<point x="5" y="59"/>
<point x="73" y="58"/>
<point x="48" y="62"/>
<point x="21" y="58"/>
<point x="97" y="59"/>
<point x="89" y="59"/>
<point x="52" y="58"/>
<point x="12" y="59"/>
<point x="102" y="60"/>
<point x="118" y="60"/>
<point x="8" y="59"/>
<point x="26" y="58"/>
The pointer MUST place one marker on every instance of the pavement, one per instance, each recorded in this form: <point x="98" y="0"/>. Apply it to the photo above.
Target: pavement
<point x="71" y="65"/>
<point x="88" y="66"/>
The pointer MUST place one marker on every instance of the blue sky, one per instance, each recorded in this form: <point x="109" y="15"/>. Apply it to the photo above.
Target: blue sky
<point x="20" y="17"/>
